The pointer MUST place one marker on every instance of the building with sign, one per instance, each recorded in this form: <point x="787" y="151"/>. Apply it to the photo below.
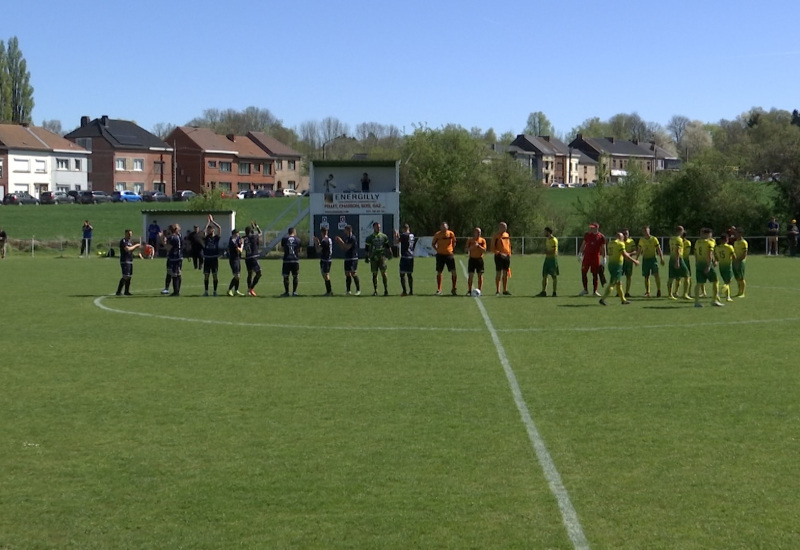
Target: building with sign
<point x="356" y="193"/>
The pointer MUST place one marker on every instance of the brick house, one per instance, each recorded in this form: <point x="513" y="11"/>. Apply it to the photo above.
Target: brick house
<point x="205" y="161"/>
<point x="288" y="165"/>
<point x="551" y="161"/>
<point x="124" y="156"/>
<point x="616" y="155"/>
<point x="34" y="160"/>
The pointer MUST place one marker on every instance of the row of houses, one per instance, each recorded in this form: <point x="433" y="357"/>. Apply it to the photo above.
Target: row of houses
<point x="113" y="155"/>
<point x="551" y="161"/>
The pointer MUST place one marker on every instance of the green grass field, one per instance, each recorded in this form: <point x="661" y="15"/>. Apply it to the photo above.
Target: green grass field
<point x="63" y="222"/>
<point x="372" y="422"/>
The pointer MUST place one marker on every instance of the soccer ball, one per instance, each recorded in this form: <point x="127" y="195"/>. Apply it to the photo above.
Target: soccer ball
<point x="476" y="292"/>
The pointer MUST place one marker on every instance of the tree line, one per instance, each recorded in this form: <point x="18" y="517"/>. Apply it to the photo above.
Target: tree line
<point x="16" y="92"/>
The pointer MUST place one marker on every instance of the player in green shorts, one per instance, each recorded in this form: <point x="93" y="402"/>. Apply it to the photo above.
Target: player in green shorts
<point x="677" y="267"/>
<point x="616" y="256"/>
<point x="376" y="245"/>
<point x="649" y="248"/>
<point x="627" y="265"/>
<point x="687" y="258"/>
<point x="704" y="267"/>
<point x="739" y="264"/>
<point x="550" y="267"/>
<point x="725" y="255"/>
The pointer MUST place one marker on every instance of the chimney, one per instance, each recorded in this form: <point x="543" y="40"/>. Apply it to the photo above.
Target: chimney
<point x="546" y="138"/>
<point x="635" y="142"/>
<point x="579" y="137"/>
<point x="231" y="137"/>
<point x="104" y="120"/>
<point x="84" y="121"/>
<point x="611" y="139"/>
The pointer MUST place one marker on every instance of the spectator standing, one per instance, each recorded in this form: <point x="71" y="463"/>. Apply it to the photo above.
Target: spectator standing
<point x="86" y="240"/>
<point x="792" y="233"/>
<point x="773" y="227"/>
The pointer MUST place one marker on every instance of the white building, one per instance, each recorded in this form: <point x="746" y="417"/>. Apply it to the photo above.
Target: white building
<point x="34" y="160"/>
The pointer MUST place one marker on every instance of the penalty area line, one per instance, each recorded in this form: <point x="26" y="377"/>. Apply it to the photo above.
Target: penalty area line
<point x="568" y="514"/>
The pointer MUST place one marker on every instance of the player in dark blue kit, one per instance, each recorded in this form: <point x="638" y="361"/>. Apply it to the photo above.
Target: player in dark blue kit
<point x="174" y="259"/>
<point x="251" y="237"/>
<point x="291" y="261"/>
<point x="211" y="253"/>
<point x="126" y="248"/>
<point x="350" y="246"/>
<point x="324" y="247"/>
<point x="235" y="246"/>
<point x="407" y="241"/>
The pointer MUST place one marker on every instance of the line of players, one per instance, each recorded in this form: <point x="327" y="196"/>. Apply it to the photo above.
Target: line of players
<point x="378" y="248"/>
<point x="729" y="256"/>
<point x="595" y="252"/>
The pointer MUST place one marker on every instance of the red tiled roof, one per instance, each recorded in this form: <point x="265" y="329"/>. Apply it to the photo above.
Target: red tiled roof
<point x="35" y="138"/>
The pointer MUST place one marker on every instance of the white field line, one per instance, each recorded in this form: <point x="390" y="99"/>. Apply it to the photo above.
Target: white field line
<point x="568" y="514"/>
<point x="100" y="303"/>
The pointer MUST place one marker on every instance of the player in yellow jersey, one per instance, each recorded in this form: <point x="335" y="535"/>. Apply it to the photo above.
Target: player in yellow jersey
<point x="627" y="265"/>
<point x="677" y="266"/>
<point x="704" y="270"/>
<point x="550" y="267"/>
<point x="725" y="255"/>
<point x="649" y="248"/>
<point x="616" y="256"/>
<point x="687" y="258"/>
<point x="740" y="250"/>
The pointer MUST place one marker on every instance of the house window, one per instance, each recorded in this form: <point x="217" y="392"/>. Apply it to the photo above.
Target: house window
<point x="120" y="186"/>
<point x="278" y="165"/>
<point x="62" y="164"/>
<point x="138" y="165"/>
<point x="648" y="167"/>
<point x="78" y="164"/>
<point x="158" y="168"/>
<point x="22" y="165"/>
<point x="291" y="164"/>
<point x="212" y="163"/>
<point x="256" y="167"/>
<point x="41" y="166"/>
<point x="244" y="168"/>
<point x="267" y="168"/>
<point x="62" y="188"/>
<point x="292" y="185"/>
<point x="224" y="185"/>
<point x="225" y="167"/>
<point x="241" y="186"/>
<point x="120" y="164"/>
<point x="1" y="168"/>
<point x="138" y="187"/>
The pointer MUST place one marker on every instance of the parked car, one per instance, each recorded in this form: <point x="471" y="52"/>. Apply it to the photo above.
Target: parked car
<point x="94" y="197"/>
<point x="56" y="197"/>
<point x="242" y="195"/>
<point x="20" y="198"/>
<point x="125" y="196"/>
<point x="183" y="195"/>
<point x="75" y="194"/>
<point x="291" y="193"/>
<point x="155" y="196"/>
<point x="262" y="194"/>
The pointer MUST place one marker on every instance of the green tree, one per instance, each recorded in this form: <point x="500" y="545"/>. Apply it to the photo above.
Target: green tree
<point x="449" y="175"/>
<point x="539" y="125"/>
<point x="5" y="85"/>
<point x="709" y="194"/>
<point x="626" y="204"/>
<point x="16" y="104"/>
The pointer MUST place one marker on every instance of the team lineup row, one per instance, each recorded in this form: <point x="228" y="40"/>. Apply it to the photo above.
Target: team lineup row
<point x="596" y="255"/>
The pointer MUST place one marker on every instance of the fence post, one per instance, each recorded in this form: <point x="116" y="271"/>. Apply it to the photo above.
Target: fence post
<point x="523" y="245"/>
<point x="33" y="246"/>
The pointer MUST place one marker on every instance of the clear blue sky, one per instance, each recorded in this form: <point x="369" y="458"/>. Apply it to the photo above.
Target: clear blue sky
<point x="473" y="63"/>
